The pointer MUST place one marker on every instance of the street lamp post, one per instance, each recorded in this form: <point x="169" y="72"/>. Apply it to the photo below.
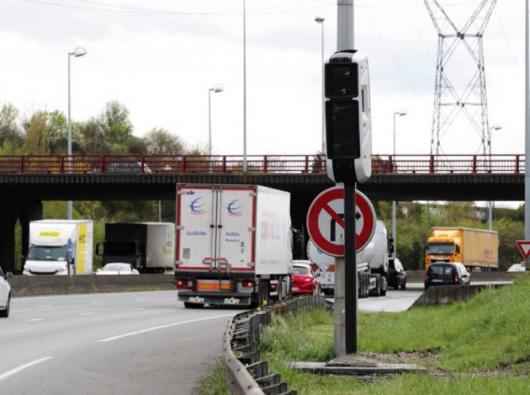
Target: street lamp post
<point x="394" y="208"/>
<point x="491" y="204"/>
<point x="215" y="89"/>
<point x="78" y="52"/>
<point x="320" y="21"/>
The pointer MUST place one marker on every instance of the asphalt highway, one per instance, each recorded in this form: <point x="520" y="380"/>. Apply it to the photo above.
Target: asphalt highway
<point x="122" y="343"/>
<point x="126" y="343"/>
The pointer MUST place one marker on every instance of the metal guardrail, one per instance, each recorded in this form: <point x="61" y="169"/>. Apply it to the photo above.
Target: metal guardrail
<point x="256" y="164"/>
<point x="246" y="373"/>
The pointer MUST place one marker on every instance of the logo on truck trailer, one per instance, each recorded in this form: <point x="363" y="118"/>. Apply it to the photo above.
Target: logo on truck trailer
<point x="49" y="233"/>
<point x="196" y="206"/>
<point x="234" y="208"/>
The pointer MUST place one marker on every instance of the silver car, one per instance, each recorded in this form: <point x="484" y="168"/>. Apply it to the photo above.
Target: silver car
<point x="5" y="294"/>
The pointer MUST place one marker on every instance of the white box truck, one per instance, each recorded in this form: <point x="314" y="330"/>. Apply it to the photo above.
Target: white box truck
<point x="233" y="244"/>
<point x="59" y="247"/>
<point x="147" y="246"/>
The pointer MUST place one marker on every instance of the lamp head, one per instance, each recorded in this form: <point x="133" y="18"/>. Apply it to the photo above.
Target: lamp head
<point x="78" y="52"/>
<point x="319" y="19"/>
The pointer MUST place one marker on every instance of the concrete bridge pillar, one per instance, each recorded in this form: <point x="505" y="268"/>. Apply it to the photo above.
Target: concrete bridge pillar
<point x="8" y="219"/>
<point x="30" y="210"/>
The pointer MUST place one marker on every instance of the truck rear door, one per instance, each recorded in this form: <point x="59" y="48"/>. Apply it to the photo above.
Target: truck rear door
<point x="196" y="218"/>
<point x="235" y="227"/>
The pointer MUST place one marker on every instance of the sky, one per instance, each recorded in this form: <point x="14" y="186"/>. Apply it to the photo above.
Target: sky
<point x="160" y="57"/>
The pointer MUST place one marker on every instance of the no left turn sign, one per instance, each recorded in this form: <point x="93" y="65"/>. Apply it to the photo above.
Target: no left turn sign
<point x="325" y="221"/>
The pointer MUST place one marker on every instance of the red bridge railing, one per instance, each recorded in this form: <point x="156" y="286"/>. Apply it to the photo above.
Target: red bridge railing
<point x="256" y="164"/>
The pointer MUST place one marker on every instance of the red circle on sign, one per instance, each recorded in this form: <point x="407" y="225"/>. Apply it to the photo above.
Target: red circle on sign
<point x="321" y="203"/>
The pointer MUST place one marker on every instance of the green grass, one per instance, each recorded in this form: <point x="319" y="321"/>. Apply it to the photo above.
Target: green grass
<point x="488" y="331"/>
<point x="215" y="382"/>
<point x="480" y="346"/>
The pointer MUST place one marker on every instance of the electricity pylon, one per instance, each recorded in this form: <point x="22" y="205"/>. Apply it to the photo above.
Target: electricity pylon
<point x="454" y="98"/>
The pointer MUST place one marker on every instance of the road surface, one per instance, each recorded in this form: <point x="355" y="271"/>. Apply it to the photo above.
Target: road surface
<point x="394" y="301"/>
<point x="123" y="343"/>
<point x="126" y="343"/>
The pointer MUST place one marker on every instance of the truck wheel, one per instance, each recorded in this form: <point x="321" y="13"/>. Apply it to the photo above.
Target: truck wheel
<point x="189" y="305"/>
<point x="5" y="313"/>
<point x="384" y="286"/>
<point x="404" y="286"/>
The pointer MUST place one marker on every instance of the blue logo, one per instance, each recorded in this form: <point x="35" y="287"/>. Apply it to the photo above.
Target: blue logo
<point x="196" y="206"/>
<point x="234" y="208"/>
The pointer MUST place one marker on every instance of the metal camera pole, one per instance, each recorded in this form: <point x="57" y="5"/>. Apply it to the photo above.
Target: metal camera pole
<point x="345" y="310"/>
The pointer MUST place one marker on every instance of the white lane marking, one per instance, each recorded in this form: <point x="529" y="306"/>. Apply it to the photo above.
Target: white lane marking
<point x="155" y="328"/>
<point x="20" y="368"/>
<point x="88" y="313"/>
<point x="35" y="319"/>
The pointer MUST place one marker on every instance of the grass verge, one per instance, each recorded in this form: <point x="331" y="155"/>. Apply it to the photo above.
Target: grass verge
<point x="215" y="383"/>
<point x="480" y="346"/>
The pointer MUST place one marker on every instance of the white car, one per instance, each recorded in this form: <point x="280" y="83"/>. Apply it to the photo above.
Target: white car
<point x="117" y="269"/>
<point x="517" y="267"/>
<point x="463" y="274"/>
<point x="5" y="294"/>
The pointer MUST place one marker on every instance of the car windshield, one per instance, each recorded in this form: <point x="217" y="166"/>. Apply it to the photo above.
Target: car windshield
<point x="300" y="270"/>
<point x="442" y="270"/>
<point x="116" y="267"/>
<point x="47" y="253"/>
<point x="441" y="249"/>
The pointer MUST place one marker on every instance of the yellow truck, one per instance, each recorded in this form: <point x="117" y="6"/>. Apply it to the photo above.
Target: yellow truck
<point x="475" y="248"/>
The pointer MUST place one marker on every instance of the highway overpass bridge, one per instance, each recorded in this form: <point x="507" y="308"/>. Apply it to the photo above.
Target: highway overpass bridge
<point x="25" y="181"/>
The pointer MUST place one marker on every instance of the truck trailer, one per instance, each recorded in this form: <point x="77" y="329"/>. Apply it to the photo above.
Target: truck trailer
<point x="372" y="265"/>
<point x="474" y="248"/>
<point x="59" y="247"/>
<point x="233" y="244"/>
<point x="148" y="246"/>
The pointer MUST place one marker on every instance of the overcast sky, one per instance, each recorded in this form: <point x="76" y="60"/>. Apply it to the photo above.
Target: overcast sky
<point x="160" y="57"/>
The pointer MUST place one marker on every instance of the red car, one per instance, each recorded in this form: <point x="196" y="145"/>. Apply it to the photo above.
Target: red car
<point x="303" y="280"/>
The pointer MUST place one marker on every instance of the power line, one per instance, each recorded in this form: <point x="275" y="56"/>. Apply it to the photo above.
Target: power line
<point x="91" y="5"/>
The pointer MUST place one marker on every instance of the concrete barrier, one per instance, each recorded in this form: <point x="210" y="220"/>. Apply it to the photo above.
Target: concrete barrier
<point x="62" y="285"/>
<point x="443" y="295"/>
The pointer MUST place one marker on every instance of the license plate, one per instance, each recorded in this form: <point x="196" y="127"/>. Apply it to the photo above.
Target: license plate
<point x="196" y="299"/>
<point x="231" y="301"/>
<point x="437" y="281"/>
<point x="296" y="289"/>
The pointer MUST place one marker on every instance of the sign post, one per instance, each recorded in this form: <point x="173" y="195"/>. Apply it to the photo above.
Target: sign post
<point x="340" y="228"/>
<point x="350" y="268"/>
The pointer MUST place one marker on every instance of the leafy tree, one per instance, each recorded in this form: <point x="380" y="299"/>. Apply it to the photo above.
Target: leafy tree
<point x="509" y="231"/>
<point x="58" y="131"/>
<point x="161" y="142"/>
<point x="136" y="146"/>
<point x="46" y="133"/>
<point x="91" y="138"/>
<point x="115" y="123"/>
<point x="10" y="133"/>
<point x="37" y="135"/>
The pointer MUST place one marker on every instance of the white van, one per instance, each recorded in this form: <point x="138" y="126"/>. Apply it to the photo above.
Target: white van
<point x="59" y="247"/>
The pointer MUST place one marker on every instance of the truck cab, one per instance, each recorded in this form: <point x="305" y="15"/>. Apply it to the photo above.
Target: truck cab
<point x="47" y="259"/>
<point x="59" y="247"/>
<point x="442" y="249"/>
